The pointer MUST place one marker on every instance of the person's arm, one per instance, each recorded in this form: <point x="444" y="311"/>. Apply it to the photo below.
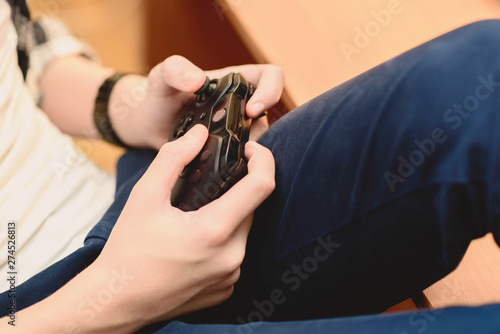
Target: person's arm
<point x="159" y="262"/>
<point x="68" y="88"/>
<point x="141" y="109"/>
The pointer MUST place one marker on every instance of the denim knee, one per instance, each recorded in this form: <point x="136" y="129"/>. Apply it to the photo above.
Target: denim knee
<point x="470" y="49"/>
<point x="450" y="101"/>
<point x="481" y="34"/>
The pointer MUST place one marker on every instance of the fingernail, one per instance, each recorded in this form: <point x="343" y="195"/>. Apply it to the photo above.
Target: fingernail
<point x="191" y="77"/>
<point x="195" y="131"/>
<point x="257" y="108"/>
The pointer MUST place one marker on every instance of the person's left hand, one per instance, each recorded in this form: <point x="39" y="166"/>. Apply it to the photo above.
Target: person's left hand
<point x="147" y="120"/>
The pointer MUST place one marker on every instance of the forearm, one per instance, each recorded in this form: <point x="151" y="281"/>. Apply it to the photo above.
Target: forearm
<point x="96" y="301"/>
<point x="69" y="87"/>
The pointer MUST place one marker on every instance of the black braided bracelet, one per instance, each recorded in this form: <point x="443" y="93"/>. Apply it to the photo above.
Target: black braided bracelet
<point x="101" y="115"/>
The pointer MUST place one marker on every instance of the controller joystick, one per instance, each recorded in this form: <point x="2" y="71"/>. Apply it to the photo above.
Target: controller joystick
<point x="220" y="106"/>
<point x="206" y="90"/>
<point x="205" y="86"/>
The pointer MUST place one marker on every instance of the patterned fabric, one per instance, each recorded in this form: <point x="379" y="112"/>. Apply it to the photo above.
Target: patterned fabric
<point x="53" y="39"/>
<point x="21" y="18"/>
<point x="40" y="42"/>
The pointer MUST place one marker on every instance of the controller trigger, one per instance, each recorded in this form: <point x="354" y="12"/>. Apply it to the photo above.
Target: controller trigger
<point x="208" y="88"/>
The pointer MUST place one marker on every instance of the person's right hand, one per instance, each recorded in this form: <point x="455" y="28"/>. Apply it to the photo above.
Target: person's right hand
<point x="185" y="261"/>
<point x="159" y="261"/>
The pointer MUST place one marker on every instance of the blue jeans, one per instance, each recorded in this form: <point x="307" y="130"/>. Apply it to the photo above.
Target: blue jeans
<point x="382" y="182"/>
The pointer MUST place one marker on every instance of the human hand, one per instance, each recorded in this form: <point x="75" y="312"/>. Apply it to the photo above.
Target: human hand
<point x="191" y="259"/>
<point x="159" y="261"/>
<point x="170" y="85"/>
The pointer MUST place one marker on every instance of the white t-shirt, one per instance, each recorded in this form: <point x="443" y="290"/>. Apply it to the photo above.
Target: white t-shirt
<point x="48" y="190"/>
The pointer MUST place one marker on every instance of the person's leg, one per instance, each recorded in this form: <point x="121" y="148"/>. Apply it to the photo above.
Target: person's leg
<point x="382" y="183"/>
<point x="479" y="320"/>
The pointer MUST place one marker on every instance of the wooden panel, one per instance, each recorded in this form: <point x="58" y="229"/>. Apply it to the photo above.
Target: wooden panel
<point x="476" y="281"/>
<point x="405" y="306"/>
<point x="322" y="43"/>
<point x="195" y="30"/>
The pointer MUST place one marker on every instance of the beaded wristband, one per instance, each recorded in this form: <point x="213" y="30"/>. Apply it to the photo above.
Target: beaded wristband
<point x="101" y="115"/>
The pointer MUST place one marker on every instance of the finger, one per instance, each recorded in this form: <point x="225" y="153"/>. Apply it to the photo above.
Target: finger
<point x="173" y="156"/>
<point x="268" y="79"/>
<point x="175" y="74"/>
<point x="248" y="193"/>
<point x="268" y="91"/>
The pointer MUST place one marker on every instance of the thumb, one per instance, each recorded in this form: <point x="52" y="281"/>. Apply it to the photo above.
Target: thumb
<point x="171" y="159"/>
<point x="178" y="74"/>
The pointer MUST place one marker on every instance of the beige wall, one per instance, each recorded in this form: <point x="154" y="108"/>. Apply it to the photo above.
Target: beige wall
<point x="115" y="28"/>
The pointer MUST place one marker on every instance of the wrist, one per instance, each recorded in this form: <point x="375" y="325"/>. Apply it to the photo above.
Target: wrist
<point x="110" y="305"/>
<point x="102" y="118"/>
<point x="98" y="300"/>
<point x="124" y="100"/>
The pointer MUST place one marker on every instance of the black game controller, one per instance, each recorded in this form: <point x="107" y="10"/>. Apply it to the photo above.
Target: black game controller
<point x="220" y="106"/>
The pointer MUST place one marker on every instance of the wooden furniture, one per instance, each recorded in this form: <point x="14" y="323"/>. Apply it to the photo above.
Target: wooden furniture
<point x="322" y="43"/>
<point x="476" y="281"/>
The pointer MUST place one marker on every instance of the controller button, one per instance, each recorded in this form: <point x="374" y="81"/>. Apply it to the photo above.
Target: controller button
<point x="190" y="120"/>
<point x="181" y="133"/>
<point x="183" y="119"/>
<point x="195" y="177"/>
<point x="219" y="115"/>
<point x="203" y="116"/>
<point x="206" y="91"/>
<point x="205" y="156"/>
